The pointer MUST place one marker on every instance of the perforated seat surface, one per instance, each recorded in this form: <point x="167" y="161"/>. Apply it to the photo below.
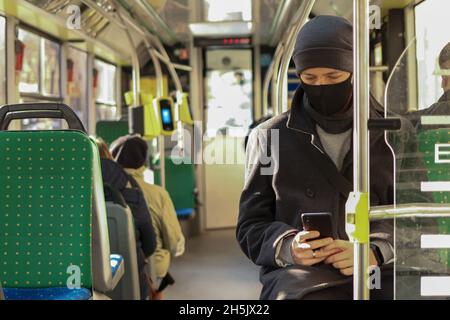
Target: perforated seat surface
<point x="182" y="194"/>
<point x="45" y="217"/>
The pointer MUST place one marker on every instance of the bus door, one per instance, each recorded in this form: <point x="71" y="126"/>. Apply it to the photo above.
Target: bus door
<point x="227" y="117"/>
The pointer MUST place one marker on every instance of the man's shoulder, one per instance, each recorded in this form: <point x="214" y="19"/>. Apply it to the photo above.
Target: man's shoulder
<point x="277" y="122"/>
<point x="438" y="108"/>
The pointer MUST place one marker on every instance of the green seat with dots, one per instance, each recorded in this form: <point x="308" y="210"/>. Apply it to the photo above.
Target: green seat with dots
<point x="46" y="191"/>
<point x="182" y="194"/>
<point x="111" y="130"/>
<point x="54" y="241"/>
<point x="437" y="172"/>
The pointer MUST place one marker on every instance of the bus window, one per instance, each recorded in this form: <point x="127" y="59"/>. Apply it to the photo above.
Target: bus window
<point x="50" y="68"/>
<point x="105" y="91"/>
<point x="77" y="83"/>
<point x="219" y="10"/>
<point x="2" y="60"/>
<point x="29" y="75"/>
<point x="431" y="37"/>
<point x="39" y="78"/>
<point x="229" y="92"/>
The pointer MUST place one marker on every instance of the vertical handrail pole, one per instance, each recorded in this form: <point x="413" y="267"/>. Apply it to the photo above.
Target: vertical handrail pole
<point x="300" y="19"/>
<point x="159" y="93"/>
<point x="267" y="80"/>
<point x="361" y="171"/>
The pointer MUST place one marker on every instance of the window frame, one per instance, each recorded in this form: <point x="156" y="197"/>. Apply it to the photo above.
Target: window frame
<point x="40" y="95"/>
<point x="3" y="16"/>
<point x="98" y="102"/>
<point x="87" y="86"/>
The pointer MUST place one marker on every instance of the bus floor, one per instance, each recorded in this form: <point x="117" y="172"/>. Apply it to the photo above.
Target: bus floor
<point x="213" y="268"/>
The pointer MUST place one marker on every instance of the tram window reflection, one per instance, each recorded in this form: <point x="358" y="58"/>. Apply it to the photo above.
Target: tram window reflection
<point x="29" y="75"/>
<point x="105" y="90"/>
<point x="77" y="83"/>
<point x="40" y="72"/>
<point x="50" y="68"/>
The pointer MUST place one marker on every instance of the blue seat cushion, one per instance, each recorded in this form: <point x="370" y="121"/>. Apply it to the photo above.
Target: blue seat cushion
<point x="185" y="212"/>
<point x="116" y="260"/>
<point x="59" y="293"/>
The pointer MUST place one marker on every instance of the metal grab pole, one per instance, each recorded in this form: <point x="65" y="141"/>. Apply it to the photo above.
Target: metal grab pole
<point x="361" y="171"/>
<point x="274" y="88"/>
<point x="159" y="93"/>
<point x="267" y="79"/>
<point x="300" y="19"/>
<point x="136" y="74"/>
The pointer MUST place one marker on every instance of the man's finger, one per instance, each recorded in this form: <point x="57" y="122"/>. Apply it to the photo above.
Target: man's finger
<point x="303" y="254"/>
<point x="335" y="245"/>
<point x="307" y="235"/>
<point x="343" y="255"/>
<point x="316" y="244"/>
<point x="322" y="253"/>
<point x="347" y="271"/>
<point x="310" y="262"/>
<point x="344" y="264"/>
<point x="331" y="246"/>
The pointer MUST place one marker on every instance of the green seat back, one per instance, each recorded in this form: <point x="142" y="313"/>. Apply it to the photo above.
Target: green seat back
<point x="180" y="182"/>
<point x="111" y="130"/>
<point x="45" y="208"/>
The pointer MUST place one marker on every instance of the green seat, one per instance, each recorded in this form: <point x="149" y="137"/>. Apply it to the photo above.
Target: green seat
<point x="111" y="130"/>
<point x="437" y="172"/>
<point x="45" y="219"/>
<point x="180" y="184"/>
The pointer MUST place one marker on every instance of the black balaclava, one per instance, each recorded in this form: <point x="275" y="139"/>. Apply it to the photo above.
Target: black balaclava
<point x="327" y="42"/>
<point x="130" y="151"/>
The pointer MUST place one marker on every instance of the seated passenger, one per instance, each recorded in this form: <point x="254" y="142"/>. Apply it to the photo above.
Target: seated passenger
<point x="442" y="106"/>
<point x="116" y="177"/>
<point x="301" y="162"/>
<point x="131" y="152"/>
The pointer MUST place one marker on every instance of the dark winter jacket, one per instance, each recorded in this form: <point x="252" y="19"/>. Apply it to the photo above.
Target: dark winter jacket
<point x="282" y="184"/>
<point x="116" y="177"/>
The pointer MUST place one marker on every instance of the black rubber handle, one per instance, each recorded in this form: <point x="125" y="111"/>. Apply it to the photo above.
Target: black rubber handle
<point x="391" y="124"/>
<point x="12" y="112"/>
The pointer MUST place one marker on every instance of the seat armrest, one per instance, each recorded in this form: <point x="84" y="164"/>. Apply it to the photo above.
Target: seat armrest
<point x="117" y="269"/>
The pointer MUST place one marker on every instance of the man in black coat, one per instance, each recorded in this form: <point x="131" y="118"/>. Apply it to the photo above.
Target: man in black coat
<point x="442" y="106"/>
<point x="292" y="164"/>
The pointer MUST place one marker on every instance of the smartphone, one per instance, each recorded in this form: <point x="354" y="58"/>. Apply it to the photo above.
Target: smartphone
<point x="320" y="221"/>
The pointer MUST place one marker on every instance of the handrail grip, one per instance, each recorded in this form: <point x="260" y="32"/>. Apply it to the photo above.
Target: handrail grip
<point x="410" y="210"/>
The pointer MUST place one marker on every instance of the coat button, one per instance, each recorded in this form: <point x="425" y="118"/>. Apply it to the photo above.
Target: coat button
<point x="310" y="193"/>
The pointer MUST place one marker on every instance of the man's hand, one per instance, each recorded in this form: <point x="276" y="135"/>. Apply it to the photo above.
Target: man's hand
<point x="308" y="253"/>
<point x="344" y="259"/>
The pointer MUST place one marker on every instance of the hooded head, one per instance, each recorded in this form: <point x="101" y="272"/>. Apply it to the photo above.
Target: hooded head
<point x="325" y="42"/>
<point x="323" y="57"/>
<point x="130" y="151"/>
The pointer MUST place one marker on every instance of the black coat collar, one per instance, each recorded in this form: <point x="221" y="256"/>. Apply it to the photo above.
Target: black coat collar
<point x="299" y="120"/>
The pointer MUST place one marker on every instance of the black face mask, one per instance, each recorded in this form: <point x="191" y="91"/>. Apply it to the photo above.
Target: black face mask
<point x="329" y="100"/>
